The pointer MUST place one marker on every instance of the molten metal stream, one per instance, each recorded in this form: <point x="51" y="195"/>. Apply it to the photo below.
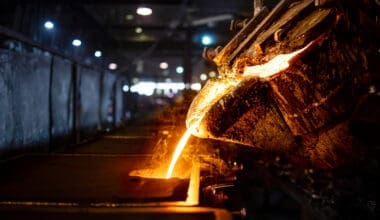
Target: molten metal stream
<point x="276" y="65"/>
<point x="180" y="146"/>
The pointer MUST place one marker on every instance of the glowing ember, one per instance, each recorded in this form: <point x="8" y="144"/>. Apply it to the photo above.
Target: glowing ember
<point x="278" y="64"/>
<point x="148" y="173"/>
<point x="180" y="146"/>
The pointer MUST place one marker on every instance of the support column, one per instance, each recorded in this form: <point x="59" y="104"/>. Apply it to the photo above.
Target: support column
<point x="187" y="59"/>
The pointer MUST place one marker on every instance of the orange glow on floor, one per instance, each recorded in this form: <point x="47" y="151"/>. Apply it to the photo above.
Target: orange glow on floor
<point x="180" y="146"/>
<point x="156" y="173"/>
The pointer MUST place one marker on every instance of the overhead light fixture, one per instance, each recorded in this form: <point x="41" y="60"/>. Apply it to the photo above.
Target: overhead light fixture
<point x="164" y="65"/>
<point x="212" y="74"/>
<point x="144" y="11"/>
<point x="125" y="88"/>
<point x="196" y="86"/>
<point x="112" y="66"/>
<point x="207" y="40"/>
<point x="203" y="77"/>
<point x="138" y="30"/>
<point x="165" y="72"/>
<point x="179" y="69"/>
<point x="129" y="17"/>
<point x="49" y="25"/>
<point x="98" y="53"/>
<point x="76" y="42"/>
<point x="135" y="80"/>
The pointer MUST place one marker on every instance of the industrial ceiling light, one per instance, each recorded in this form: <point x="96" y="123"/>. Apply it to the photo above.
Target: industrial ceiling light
<point x="164" y="65"/>
<point x="165" y="72"/>
<point x="144" y="11"/>
<point x="196" y="86"/>
<point x="98" y="53"/>
<point x="207" y="40"/>
<point x="135" y="80"/>
<point x="49" y="25"/>
<point x="125" y="88"/>
<point x="212" y="74"/>
<point x="112" y="66"/>
<point x="203" y="76"/>
<point x="179" y="69"/>
<point x="76" y="42"/>
<point x="129" y="17"/>
<point x="138" y="30"/>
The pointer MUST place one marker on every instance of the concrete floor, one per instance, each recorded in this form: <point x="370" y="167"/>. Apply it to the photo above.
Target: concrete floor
<point x="97" y="171"/>
<point x="86" y="176"/>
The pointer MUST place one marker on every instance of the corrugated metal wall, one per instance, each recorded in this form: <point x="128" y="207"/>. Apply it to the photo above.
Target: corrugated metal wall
<point x="88" y="84"/>
<point x="62" y="102"/>
<point x="48" y="102"/>
<point x="107" y="110"/>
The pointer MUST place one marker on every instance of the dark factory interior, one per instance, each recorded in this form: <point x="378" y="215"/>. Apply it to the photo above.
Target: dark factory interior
<point x="189" y="109"/>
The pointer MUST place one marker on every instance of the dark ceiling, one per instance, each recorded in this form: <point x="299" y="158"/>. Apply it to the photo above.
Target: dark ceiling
<point x="172" y="33"/>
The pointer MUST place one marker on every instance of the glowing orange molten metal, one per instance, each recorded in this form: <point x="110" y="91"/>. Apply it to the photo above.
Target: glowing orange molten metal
<point x="180" y="146"/>
<point x="276" y="65"/>
<point x="217" y="89"/>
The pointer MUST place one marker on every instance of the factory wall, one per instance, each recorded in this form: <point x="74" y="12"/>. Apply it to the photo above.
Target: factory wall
<point x="24" y="100"/>
<point x="118" y="109"/>
<point x="62" y="102"/>
<point x="48" y="102"/>
<point x="88" y="96"/>
<point x="107" y="106"/>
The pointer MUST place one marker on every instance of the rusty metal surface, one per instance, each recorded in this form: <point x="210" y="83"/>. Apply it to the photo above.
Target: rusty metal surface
<point x="315" y="92"/>
<point x="225" y="57"/>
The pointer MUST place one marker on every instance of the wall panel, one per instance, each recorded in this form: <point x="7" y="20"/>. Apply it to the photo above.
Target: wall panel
<point x="24" y="100"/>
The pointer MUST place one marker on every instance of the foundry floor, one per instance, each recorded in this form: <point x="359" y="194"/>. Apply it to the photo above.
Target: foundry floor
<point x="87" y="175"/>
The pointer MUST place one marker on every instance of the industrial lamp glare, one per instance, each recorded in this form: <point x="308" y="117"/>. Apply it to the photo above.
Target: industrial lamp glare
<point x="98" y="53"/>
<point x="49" y="25"/>
<point x="112" y="66"/>
<point x="144" y="11"/>
<point x="164" y="65"/>
<point x="77" y="42"/>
